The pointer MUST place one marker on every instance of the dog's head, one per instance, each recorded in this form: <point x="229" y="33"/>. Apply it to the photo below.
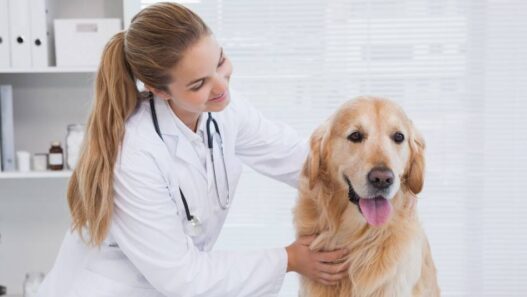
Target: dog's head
<point x="370" y="147"/>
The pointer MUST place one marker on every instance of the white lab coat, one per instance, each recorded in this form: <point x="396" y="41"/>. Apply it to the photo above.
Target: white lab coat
<point x="155" y="256"/>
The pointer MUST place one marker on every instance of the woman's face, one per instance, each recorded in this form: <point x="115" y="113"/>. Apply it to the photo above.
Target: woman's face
<point x="200" y="81"/>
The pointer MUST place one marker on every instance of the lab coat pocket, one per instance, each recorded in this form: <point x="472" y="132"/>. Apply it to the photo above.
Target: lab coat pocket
<point x="176" y="199"/>
<point x="92" y="284"/>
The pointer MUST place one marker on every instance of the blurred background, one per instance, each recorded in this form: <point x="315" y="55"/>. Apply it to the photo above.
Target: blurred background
<point x="457" y="67"/>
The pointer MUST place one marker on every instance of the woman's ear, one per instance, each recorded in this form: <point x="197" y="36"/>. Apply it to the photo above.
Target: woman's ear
<point x="157" y="92"/>
<point x="312" y="166"/>
<point x="416" y="170"/>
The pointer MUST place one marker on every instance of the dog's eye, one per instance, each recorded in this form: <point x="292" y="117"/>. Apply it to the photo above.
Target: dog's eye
<point x="355" y="137"/>
<point x="398" y="137"/>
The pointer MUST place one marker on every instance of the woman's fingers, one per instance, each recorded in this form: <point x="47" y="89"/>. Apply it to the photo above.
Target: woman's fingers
<point x="327" y="268"/>
<point x="333" y="256"/>
<point x="331" y="278"/>
<point x="307" y="239"/>
<point x="327" y="283"/>
<point x="332" y="268"/>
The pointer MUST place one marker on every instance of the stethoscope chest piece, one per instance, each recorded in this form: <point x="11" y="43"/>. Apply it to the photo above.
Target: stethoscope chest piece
<point x="193" y="227"/>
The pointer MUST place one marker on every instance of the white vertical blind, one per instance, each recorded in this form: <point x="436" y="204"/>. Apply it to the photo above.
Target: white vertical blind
<point x="459" y="69"/>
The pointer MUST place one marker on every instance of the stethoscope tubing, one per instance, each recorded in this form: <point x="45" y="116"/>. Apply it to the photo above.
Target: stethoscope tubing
<point x="210" y="120"/>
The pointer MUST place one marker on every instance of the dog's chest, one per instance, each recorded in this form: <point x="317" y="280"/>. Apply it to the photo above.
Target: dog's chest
<point x="386" y="272"/>
<point x="408" y="270"/>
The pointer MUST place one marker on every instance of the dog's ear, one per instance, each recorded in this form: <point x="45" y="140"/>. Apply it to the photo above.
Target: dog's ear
<point x="312" y="166"/>
<point x="416" y="171"/>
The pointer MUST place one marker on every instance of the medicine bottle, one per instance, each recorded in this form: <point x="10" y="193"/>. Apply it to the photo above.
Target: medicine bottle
<point x="56" y="156"/>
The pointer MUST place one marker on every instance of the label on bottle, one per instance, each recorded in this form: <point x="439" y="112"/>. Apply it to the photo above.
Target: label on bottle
<point x="55" y="159"/>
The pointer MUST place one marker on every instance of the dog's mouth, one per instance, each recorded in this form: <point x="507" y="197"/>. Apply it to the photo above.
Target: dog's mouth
<point x="376" y="210"/>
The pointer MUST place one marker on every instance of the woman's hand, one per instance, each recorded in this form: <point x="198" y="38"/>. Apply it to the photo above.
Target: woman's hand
<point x="323" y="267"/>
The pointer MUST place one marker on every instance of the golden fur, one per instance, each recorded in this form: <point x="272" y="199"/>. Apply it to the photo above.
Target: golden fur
<point x="390" y="260"/>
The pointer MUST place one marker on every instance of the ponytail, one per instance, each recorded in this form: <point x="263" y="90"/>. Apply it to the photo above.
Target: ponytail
<point x="90" y="189"/>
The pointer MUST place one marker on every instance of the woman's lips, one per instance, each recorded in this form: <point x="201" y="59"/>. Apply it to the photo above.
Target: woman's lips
<point x="219" y="98"/>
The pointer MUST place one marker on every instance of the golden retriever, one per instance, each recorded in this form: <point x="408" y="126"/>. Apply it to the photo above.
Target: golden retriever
<point x="358" y="191"/>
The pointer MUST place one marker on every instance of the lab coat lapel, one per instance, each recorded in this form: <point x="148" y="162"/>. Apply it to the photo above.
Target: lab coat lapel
<point x="179" y="147"/>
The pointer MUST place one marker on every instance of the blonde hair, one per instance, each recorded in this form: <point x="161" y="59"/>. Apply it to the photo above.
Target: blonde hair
<point x="153" y="44"/>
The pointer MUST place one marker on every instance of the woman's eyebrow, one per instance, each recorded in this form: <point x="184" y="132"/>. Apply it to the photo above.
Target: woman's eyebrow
<point x="196" y="80"/>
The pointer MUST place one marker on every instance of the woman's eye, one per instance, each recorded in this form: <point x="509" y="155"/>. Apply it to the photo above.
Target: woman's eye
<point x="398" y="137"/>
<point x="198" y="86"/>
<point x="222" y="61"/>
<point x="355" y="137"/>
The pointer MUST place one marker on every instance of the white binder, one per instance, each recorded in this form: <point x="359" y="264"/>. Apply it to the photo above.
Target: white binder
<point x="40" y="35"/>
<point x="5" y="60"/>
<point x="7" y="128"/>
<point x="20" y="35"/>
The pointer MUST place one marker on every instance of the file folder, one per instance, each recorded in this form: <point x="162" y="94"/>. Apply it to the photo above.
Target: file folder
<point x="40" y="35"/>
<point x="19" y="32"/>
<point x="5" y="60"/>
<point x="7" y="128"/>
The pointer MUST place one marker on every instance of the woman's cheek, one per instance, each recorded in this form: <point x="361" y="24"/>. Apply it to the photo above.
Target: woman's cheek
<point x="203" y="96"/>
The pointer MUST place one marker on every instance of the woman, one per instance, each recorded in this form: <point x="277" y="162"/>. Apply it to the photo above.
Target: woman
<point x="149" y="195"/>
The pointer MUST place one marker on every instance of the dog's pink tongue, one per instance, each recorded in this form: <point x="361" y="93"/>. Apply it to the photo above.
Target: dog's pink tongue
<point x="376" y="210"/>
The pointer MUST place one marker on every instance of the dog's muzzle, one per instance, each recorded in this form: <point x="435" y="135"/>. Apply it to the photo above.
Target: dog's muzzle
<point x="352" y="196"/>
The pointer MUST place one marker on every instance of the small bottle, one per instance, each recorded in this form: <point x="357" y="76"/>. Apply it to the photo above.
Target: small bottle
<point x="56" y="156"/>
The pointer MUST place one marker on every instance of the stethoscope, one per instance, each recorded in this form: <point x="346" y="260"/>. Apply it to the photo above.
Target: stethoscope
<point x="194" y="226"/>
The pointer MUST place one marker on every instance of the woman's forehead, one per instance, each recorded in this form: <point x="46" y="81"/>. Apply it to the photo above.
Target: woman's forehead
<point x="199" y="60"/>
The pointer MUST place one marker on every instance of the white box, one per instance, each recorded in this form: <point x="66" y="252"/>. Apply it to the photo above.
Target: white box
<point x="80" y="42"/>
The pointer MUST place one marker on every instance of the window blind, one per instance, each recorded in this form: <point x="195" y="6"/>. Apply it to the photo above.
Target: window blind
<point x="458" y="68"/>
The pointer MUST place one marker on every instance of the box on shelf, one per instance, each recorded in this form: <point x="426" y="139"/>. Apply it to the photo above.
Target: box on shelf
<point x="80" y="42"/>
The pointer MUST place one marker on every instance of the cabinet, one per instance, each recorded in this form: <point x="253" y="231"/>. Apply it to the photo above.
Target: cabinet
<point x="33" y="210"/>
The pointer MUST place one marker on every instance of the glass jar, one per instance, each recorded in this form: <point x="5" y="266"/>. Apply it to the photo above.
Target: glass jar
<point x="32" y="283"/>
<point x="40" y="161"/>
<point x="74" y="140"/>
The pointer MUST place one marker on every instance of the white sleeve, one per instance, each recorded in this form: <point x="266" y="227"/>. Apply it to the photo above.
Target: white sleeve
<point x="148" y="230"/>
<point x="270" y="147"/>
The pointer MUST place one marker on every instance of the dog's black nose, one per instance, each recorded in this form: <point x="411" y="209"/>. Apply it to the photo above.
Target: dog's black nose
<point x="380" y="177"/>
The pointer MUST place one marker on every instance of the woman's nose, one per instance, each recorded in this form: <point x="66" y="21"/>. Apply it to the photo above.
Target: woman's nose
<point x="220" y="85"/>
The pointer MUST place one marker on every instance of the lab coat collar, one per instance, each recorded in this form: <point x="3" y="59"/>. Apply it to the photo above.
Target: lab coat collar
<point x="174" y="138"/>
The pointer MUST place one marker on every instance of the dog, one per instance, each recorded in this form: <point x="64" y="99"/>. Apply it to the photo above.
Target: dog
<point x="358" y="191"/>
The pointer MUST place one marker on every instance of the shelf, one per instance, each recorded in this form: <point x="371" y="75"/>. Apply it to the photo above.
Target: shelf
<point x="35" y="174"/>
<point x="49" y="70"/>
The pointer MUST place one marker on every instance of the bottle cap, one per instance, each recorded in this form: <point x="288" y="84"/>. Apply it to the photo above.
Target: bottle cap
<point x="55" y="143"/>
<point x="76" y="127"/>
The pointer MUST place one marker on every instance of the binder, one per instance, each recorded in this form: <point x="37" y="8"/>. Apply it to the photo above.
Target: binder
<point x="40" y="35"/>
<point x="5" y="60"/>
<point x="7" y="128"/>
<point x="19" y="32"/>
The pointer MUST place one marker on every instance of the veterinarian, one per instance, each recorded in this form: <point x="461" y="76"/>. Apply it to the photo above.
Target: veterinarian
<point x="159" y="170"/>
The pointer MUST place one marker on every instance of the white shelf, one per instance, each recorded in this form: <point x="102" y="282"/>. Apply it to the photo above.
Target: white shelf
<point x="49" y="70"/>
<point x="35" y="174"/>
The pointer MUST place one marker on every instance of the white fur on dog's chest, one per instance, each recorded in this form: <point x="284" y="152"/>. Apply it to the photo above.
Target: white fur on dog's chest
<point x="409" y="269"/>
<point x="400" y="279"/>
